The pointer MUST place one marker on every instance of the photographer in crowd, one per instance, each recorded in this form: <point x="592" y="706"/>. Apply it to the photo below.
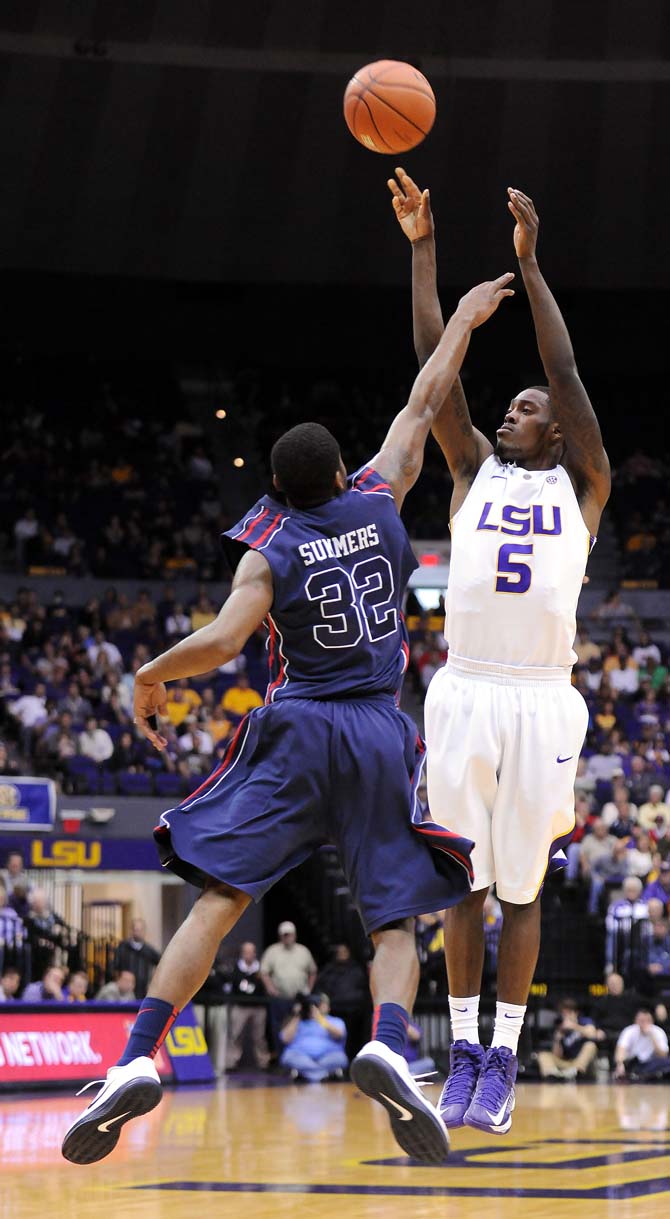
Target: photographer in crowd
<point x="574" y="1048"/>
<point x="314" y="1041"/>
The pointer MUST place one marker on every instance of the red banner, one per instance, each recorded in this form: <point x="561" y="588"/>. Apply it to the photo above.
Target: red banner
<point x="79" y="1044"/>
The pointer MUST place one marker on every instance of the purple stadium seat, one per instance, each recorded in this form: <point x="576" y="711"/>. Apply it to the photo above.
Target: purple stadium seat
<point x="107" y="780"/>
<point x="167" y="784"/>
<point x="131" y="784"/>
<point x="84" y="774"/>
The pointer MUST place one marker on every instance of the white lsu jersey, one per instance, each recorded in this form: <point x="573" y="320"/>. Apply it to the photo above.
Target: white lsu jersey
<point x="519" y="547"/>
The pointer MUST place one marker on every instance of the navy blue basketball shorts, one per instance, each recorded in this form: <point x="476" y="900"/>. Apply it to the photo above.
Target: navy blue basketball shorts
<point x="301" y="773"/>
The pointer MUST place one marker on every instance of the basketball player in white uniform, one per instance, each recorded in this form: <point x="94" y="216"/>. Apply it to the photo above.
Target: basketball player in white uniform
<point x="504" y="725"/>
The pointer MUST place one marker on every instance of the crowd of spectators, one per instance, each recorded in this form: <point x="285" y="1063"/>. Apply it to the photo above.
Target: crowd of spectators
<point x="622" y="1035"/>
<point x="117" y="482"/>
<point x="623" y="816"/>
<point x="121" y="481"/>
<point x="66" y="683"/>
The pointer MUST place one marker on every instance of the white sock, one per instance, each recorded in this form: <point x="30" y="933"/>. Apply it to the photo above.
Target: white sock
<point x="508" y="1023"/>
<point x="464" y="1015"/>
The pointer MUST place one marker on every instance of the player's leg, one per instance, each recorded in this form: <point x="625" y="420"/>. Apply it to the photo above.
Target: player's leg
<point x="533" y="818"/>
<point x="255" y="818"/>
<point x="494" y="1098"/>
<point x="464" y="952"/>
<point x="187" y="960"/>
<point x="392" y="876"/>
<point x="463" y="739"/>
<point x="380" y="1069"/>
<point x="133" y="1086"/>
<point x="517" y="957"/>
<point x="394" y="976"/>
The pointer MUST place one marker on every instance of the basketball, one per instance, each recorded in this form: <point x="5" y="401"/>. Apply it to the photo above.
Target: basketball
<point x="389" y="106"/>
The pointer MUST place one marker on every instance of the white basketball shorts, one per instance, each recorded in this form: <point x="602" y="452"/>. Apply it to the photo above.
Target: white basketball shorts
<point x="503" y="746"/>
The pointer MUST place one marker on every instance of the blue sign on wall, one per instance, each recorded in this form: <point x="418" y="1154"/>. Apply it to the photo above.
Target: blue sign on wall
<point x="27" y="804"/>
<point x="91" y="854"/>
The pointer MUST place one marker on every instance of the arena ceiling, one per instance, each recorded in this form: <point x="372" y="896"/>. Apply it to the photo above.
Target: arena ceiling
<point x="203" y="140"/>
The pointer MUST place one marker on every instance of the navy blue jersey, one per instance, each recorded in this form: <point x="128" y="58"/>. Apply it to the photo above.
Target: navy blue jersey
<point x="339" y="572"/>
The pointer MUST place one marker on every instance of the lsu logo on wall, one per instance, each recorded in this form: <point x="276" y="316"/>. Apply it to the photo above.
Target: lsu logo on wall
<point x="187" y="1049"/>
<point x="186" y="1041"/>
<point x="65" y="854"/>
<point x="10" y="804"/>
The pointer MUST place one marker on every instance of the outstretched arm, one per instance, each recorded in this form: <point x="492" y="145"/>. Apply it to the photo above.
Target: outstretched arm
<point x="585" y="458"/>
<point x="413" y="213"/>
<point x="401" y="456"/>
<point x="220" y="641"/>
<point x="464" y="447"/>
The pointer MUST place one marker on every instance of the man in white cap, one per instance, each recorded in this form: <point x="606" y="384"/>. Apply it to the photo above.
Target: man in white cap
<point x="287" y="968"/>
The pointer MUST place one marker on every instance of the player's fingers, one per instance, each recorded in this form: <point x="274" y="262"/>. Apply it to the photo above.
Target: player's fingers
<point x="503" y="280"/>
<point x="521" y="206"/>
<point x="155" y="737"/>
<point x="408" y="184"/>
<point x="162" y="709"/>
<point x="394" y="188"/>
<point x="425" y="201"/>
<point x="523" y="197"/>
<point x="525" y="206"/>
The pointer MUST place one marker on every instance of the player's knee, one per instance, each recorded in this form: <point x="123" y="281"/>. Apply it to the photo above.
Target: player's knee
<point x="217" y="888"/>
<point x="520" y="910"/>
<point x="404" y="925"/>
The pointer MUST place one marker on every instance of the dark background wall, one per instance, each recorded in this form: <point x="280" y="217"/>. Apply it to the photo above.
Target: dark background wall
<point x="202" y="143"/>
<point x="204" y="140"/>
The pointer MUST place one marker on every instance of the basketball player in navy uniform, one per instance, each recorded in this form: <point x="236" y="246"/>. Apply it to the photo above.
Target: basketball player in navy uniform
<point x="329" y="757"/>
<point x="504" y="725"/>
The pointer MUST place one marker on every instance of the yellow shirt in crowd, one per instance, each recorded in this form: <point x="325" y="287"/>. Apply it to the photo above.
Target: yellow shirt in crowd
<point x="239" y="701"/>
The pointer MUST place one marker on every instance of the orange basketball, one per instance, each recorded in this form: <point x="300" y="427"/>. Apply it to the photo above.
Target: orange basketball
<point x="389" y="106"/>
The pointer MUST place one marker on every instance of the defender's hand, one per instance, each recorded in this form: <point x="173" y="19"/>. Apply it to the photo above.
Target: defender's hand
<point x="412" y="207"/>
<point x="527" y="222"/>
<point x="479" y="303"/>
<point x="150" y="698"/>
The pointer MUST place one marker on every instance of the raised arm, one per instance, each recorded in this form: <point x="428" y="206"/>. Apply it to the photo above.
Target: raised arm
<point x="213" y="645"/>
<point x="401" y="456"/>
<point x="585" y="458"/>
<point x="414" y="215"/>
<point x="464" y="447"/>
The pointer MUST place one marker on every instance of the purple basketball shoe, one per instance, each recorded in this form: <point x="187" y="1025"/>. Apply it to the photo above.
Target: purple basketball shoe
<point x="466" y="1061"/>
<point x="493" y="1101"/>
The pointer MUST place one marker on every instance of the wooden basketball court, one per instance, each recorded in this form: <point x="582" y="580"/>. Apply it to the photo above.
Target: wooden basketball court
<point x="324" y="1149"/>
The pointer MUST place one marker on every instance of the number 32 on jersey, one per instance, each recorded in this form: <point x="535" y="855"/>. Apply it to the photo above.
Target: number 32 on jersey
<point x="354" y="604"/>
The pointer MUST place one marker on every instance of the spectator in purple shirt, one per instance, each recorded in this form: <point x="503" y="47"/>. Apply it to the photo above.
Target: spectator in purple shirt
<point x="660" y="888"/>
<point x="49" y="990"/>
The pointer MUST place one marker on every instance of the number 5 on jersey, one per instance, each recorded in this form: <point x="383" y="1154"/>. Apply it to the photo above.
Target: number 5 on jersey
<point x="513" y="577"/>
<point x="354" y="603"/>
